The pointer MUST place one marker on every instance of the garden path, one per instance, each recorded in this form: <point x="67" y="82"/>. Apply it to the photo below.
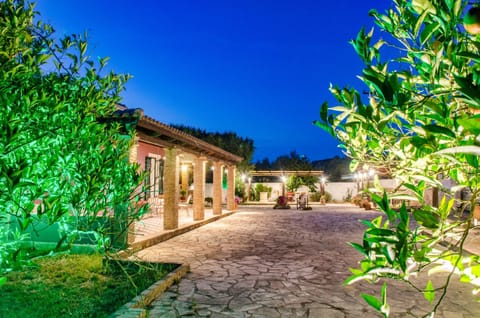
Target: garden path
<point x="261" y="262"/>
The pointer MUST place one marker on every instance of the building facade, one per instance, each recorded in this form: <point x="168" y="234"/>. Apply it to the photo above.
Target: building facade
<point x="175" y="166"/>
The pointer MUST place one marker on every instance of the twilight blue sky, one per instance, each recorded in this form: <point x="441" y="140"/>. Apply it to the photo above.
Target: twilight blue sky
<point x="259" y="68"/>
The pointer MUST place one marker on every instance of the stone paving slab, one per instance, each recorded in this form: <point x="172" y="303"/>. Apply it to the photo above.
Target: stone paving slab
<point x="261" y="262"/>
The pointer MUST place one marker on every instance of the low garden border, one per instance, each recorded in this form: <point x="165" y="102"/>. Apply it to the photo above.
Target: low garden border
<point x="136" y="307"/>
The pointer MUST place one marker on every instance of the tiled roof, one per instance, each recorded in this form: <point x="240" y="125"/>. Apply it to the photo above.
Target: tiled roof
<point x="286" y="173"/>
<point x="174" y="137"/>
<point x="167" y="136"/>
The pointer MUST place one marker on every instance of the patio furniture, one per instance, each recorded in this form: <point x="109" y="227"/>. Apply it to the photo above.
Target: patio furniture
<point x="302" y="201"/>
<point x="185" y="205"/>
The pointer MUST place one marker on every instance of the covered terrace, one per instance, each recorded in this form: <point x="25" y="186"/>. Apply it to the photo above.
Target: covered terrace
<point x="176" y="165"/>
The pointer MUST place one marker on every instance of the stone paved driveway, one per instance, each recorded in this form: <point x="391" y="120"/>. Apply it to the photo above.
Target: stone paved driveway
<point x="262" y="262"/>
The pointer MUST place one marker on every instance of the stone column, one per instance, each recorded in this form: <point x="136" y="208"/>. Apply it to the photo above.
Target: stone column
<point x="133" y="158"/>
<point x="217" y="188"/>
<point x="170" y="189"/>
<point x="199" y="189"/>
<point x="231" y="188"/>
<point x="133" y="152"/>
<point x="184" y="178"/>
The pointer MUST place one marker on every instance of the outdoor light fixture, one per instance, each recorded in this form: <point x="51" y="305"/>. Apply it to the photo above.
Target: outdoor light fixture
<point x="323" y="200"/>
<point x="363" y="176"/>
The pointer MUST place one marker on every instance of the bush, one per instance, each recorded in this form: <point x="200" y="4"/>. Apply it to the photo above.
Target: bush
<point x="315" y="196"/>
<point x="208" y="201"/>
<point x="64" y="146"/>
<point x="328" y="197"/>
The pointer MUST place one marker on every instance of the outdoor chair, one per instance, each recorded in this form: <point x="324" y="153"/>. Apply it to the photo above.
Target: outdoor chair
<point x="302" y="201"/>
<point x="185" y="205"/>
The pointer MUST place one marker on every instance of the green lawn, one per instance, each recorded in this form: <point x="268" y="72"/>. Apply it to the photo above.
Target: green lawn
<point x="74" y="286"/>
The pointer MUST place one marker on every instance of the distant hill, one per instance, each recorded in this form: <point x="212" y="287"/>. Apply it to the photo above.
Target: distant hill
<point x="335" y="169"/>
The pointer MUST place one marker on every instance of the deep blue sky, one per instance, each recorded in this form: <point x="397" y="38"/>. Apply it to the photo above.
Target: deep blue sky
<point x="255" y="67"/>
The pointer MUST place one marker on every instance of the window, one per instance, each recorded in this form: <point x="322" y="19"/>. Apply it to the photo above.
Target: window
<point x="153" y="177"/>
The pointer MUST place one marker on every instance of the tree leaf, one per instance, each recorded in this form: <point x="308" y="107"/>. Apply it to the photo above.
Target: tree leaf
<point x="385" y="309"/>
<point x="472" y="150"/>
<point x="436" y="129"/>
<point x="428" y="31"/>
<point x="426" y="218"/>
<point x="472" y="160"/>
<point x="373" y="301"/>
<point x="471" y="124"/>
<point x="3" y="280"/>
<point x="359" y="248"/>
<point x="381" y="232"/>
<point x="328" y="128"/>
<point x="429" y="292"/>
<point x="419" y="22"/>
<point x="324" y="111"/>
<point x="475" y="270"/>
<point x="469" y="55"/>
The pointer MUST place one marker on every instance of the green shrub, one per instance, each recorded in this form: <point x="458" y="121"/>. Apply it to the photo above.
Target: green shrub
<point x="315" y="196"/>
<point x="328" y="197"/>
<point x="208" y="201"/>
<point x="64" y="148"/>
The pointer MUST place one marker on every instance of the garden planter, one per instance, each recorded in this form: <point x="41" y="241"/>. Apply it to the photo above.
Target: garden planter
<point x="476" y="215"/>
<point x="263" y="196"/>
<point x="290" y="196"/>
<point x="42" y="233"/>
<point x="282" y="203"/>
<point x="366" y="205"/>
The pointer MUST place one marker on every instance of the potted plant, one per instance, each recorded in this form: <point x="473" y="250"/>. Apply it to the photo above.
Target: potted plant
<point x="263" y="192"/>
<point x="238" y="200"/>
<point x="282" y="203"/>
<point x="183" y="194"/>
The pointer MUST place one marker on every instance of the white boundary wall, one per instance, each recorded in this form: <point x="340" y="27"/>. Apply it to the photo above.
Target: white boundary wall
<point x="338" y="190"/>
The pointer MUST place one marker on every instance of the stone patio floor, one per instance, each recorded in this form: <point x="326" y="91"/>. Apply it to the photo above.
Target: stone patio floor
<point x="261" y="262"/>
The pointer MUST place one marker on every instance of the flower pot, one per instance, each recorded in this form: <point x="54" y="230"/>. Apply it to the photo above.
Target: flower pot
<point x="367" y="205"/>
<point x="263" y="196"/>
<point x="476" y="215"/>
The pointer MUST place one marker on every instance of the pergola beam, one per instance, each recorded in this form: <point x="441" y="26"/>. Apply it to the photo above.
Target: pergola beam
<point x="286" y="173"/>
